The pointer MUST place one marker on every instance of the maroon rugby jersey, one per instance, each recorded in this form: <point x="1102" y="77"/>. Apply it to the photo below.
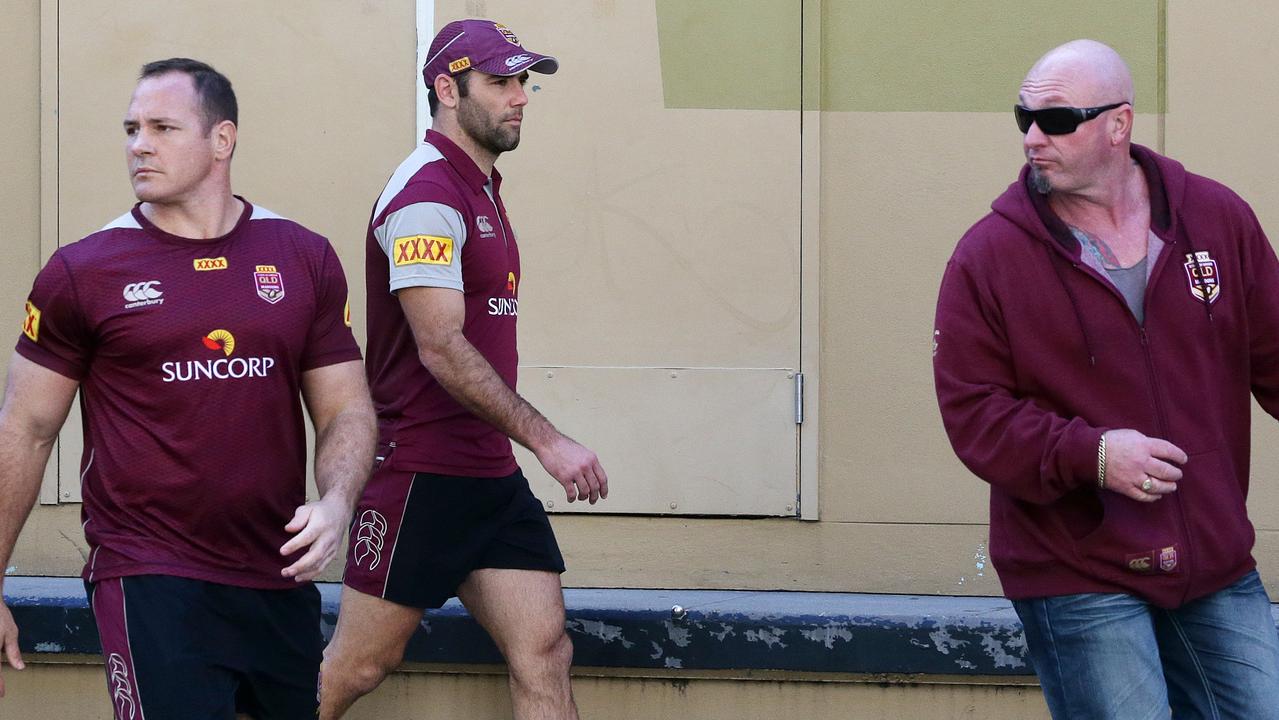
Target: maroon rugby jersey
<point x="440" y="222"/>
<point x="189" y="355"/>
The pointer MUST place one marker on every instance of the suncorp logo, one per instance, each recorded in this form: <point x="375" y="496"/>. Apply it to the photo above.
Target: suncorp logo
<point x="223" y="368"/>
<point x="504" y="306"/>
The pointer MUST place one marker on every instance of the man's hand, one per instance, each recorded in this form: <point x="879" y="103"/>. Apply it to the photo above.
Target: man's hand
<point x="1142" y="468"/>
<point x="575" y="467"/>
<point x="320" y="526"/>
<point x="9" y="642"/>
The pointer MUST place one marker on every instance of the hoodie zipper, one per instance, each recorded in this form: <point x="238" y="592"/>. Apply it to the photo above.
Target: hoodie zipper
<point x="1153" y="378"/>
<point x="1163" y="431"/>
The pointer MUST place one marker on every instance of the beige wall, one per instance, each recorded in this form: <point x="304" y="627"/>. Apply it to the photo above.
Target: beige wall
<point x="610" y="191"/>
<point x="20" y="148"/>
<point x="673" y="216"/>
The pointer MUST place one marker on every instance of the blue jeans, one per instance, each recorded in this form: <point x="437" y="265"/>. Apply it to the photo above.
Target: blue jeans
<point x="1101" y="656"/>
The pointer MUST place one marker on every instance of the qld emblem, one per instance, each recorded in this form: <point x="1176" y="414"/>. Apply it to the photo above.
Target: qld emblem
<point x="1201" y="273"/>
<point x="269" y="282"/>
<point x="1168" y="559"/>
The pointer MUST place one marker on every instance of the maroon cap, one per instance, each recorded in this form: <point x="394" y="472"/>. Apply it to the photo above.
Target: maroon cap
<point x="482" y="45"/>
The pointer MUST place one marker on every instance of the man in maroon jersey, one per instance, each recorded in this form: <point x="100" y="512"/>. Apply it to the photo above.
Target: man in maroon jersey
<point x="447" y="512"/>
<point x="190" y="325"/>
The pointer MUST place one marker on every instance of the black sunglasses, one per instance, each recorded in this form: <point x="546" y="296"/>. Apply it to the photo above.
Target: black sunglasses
<point x="1058" y="120"/>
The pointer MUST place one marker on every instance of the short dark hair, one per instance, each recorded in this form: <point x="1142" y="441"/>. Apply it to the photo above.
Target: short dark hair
<point x="462" y="81"/>
<point x="217" y="99"/>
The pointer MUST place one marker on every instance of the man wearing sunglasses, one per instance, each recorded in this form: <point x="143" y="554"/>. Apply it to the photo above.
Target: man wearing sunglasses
<point x="1098" y="337"/>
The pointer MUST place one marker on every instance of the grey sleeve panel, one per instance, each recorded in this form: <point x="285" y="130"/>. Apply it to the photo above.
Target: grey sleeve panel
<point x="422" y="265"/>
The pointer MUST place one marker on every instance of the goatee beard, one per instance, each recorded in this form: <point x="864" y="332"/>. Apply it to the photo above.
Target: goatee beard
<point x="1040" y="182"/>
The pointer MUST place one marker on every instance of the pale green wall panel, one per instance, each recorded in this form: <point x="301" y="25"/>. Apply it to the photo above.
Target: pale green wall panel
<point x="971" y="56"/>
<point x="890" y="56"/>
<point x="730" y="54"/>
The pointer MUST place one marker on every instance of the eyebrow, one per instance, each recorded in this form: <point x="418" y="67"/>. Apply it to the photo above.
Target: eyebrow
<point x="153" y="121"/>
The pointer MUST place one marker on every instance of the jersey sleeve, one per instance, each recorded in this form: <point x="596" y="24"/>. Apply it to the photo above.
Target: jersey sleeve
<point x="330" y="340"/>
<point x="55" y="334"/>
<point x="423" y="245"/>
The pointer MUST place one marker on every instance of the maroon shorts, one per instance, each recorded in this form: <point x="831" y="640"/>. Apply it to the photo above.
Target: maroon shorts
<point x="415" y="537"/>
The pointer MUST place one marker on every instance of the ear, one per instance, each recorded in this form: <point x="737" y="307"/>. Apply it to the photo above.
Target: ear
<point x="446" y="91"/>
<point x="1121" y="125"/>
<point x="224" y="137"/>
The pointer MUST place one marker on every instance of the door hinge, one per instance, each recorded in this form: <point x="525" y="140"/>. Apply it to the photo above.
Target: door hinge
<point x="799" y="398"/>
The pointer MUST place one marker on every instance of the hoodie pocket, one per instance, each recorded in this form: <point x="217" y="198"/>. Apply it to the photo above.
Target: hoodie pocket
<point x="1138" y="538"/>
<point x="1221" y="536"/>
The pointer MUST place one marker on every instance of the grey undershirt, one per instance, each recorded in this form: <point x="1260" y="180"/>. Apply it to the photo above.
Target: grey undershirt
<point x="1130" y="281"/>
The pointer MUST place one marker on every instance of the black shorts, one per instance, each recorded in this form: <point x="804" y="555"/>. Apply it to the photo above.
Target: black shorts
<point x="415" y="537"/>
<point x="177" y="648"/>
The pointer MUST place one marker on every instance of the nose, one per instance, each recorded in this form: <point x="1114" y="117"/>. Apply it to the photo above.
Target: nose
<point x="521" y="97"/>
<point x="1034" y="137"/>
<point x="139" y="143"/>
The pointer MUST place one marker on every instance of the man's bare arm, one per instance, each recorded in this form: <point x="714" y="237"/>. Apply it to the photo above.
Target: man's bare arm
<point x="436" y="316"/>
<point x="337" y="398"/>
<point x="36" y="401"/>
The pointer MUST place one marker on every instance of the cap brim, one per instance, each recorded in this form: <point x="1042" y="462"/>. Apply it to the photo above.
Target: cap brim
<point x="544" y="64"/>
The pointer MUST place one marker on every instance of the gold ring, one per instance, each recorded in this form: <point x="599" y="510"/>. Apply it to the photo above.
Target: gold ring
<point x="1147" y="484"/>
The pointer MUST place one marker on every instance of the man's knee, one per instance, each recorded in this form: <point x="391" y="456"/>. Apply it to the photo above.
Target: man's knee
<point x="548" y="656"/>
<point x="357" y="676"/>
<point x="562" y="652"/>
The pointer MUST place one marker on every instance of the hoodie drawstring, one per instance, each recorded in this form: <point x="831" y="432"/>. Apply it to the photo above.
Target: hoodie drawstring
<point x="1074" y="304"/>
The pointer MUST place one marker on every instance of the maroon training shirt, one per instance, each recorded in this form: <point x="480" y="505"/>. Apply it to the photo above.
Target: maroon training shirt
<point x="440" y="222"/>
<point x="190" y="356"/>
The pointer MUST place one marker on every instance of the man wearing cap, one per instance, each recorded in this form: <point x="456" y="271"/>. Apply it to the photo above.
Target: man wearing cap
<point x="1100" y="336"/>
<point x="447" y="511"/>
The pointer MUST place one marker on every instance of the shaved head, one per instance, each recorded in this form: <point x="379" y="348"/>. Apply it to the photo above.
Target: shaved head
<point x="1091" y="73"/>
<point x="1080" y="75"/>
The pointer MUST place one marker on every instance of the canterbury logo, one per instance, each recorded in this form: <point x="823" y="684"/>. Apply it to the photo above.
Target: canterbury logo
<point x="141" y="292"/>
<point x="370" y="534"/>
<point x="121" y="688"/>
<point x="514" y="60"/>
<point x="217" y="263"/>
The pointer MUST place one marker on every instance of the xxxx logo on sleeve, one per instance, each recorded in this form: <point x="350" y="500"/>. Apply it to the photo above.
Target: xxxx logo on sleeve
<point x="31" y="326"/>
<point x="422" y="250"/>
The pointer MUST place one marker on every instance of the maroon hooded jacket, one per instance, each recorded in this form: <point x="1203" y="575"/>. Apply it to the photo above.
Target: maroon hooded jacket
<point x="1036" y="355"/>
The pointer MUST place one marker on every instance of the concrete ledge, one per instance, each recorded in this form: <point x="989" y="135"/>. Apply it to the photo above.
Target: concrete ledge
<point x="720" y="630"/>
